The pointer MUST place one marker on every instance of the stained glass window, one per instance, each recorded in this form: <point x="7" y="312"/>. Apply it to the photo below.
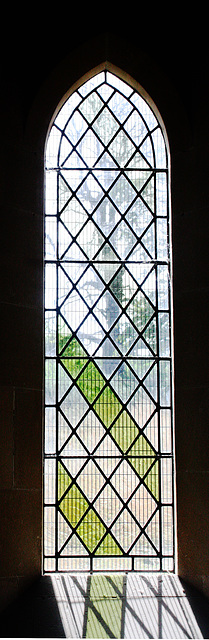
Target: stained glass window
<point x="108" y="479"/>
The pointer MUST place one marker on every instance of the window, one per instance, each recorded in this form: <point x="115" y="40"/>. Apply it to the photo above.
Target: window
<point x="108" y="479"/>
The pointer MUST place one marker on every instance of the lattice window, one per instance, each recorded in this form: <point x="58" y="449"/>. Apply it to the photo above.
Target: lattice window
<point x="108" y="480"/>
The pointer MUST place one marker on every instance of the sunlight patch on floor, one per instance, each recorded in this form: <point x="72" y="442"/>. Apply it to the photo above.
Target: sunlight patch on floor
<point x="124" y="606"/>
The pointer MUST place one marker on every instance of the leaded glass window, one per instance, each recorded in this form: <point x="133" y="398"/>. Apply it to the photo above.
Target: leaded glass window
<point x="108" y="479"/>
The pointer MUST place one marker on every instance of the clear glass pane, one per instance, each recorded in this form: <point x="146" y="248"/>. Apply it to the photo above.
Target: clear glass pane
<point x="90" y="148"/>
<point x="164" y="334"/>
<point x="166" y="471"/>
<point x="74" y="310"/>
<point x="50" y="333"/>
<point x="91" y="84"/>
<point x="159" y="146"/>
<point x="162" y="239"/>
<point x="67" y="109"/>
<point x="106" y="215"/>
<point x="165" y="421"/>
<point x="50" y="286"/>
<point x="50" y="238"/>
<point x="144" y="110"/>
<point x="120" y="106"/>
<point x="167" y="530"/>
<point x="163" y="283"/>
<point x="122" y="148"/>
<point x="75" y="128"/>
<point x="165" y="383"/>
<point x="107" y="310"/>
<point x="50" y="381"/>
<point x="136" y="128"/>
<point x="161" y="194"/>
<point x="73" y="218"/>
<point x="124" y="382"/>
<point x="52" y="148"/>
<point x="119" y="84"/>
<point x="105" y="126"/>
<point x="50" y="481"/>
<point x="90" y="240"/>
<point x="50" y="430"/>
<point x="91" y="106"/>
<point x="122" y="239"/>
<point x="51" y="193"/>
<point x="49" y="531"/>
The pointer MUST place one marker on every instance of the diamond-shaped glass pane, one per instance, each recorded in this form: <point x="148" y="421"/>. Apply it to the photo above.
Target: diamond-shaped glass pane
<point x="140" y="311"/>
<point x="123" y="286"/>
<point x="105" y="126"/>
<point x="90" y="286"/>
<point x="123" y="240"/>
<point x="106" y="216"/>
<point x="91" y="431"/>
<point x="90" y="334"/>
<point x="124" y="382"/>
<point x="73" y="505"/>
<point x="141" y="407"/>
<point x="74" y="406"/>
<point x="90" y="106"/>
<point x="125" y="530"/>
<point x="124" y="480"/>
<point x="107" y="310"/>
<point x="122" y="193"/>
<point x="90" y="480"/>
<point x="91" y="530"/>
<point x="90" y="239"/>
<point x="74" y="310"/>
<point x="90" y="193"/>
<point x="124" y="431"/>
<point x="73" y="217"/>
<point x="136" y="128"/>
<point x="124" y="334"/>
<point x="107" y="406"/>
<point x="121" y="148"/>
<point x="90" y="382"/>
<point x="108" y="505"/>
<point x="142" y="505"/>
<point x="90" y="148"/>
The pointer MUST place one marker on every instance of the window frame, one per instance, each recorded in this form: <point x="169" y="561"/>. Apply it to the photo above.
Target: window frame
<point x="141" y="92"/>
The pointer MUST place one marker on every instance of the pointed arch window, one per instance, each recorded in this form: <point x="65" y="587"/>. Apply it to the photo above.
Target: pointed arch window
<point x="108" y="479"/>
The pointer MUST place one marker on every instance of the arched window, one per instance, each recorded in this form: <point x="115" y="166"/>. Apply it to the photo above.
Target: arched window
<point x="108" y="479"/>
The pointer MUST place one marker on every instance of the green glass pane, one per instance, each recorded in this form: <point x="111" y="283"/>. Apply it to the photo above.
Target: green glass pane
<point x="91" y="530"/>
<point x="91" y="382"/>
<point x="108" y="547"/>
<point x="124" y="431"/>
<point x="69" y="348"/>
<point x="152" y="481"/>
<point x="107" y="406"/>
<point x="74" y="505"/>
<point x="141" y="448"/>
<point x="74" y="365"/>
<point x="64" y="480"/>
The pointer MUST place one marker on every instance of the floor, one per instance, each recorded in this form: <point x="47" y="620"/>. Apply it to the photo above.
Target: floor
<point x="108" y="606"/>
